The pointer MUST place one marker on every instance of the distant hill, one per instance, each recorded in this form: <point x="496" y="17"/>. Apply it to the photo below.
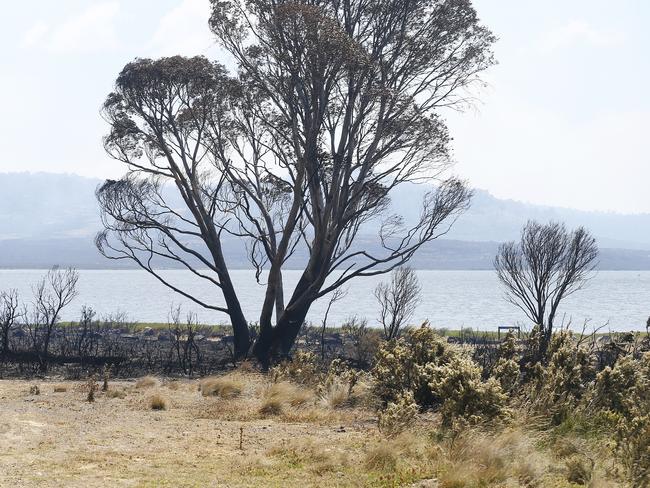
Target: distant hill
<point x="493" y="219"/>
<point x="48" y="219"/>
<point x="47" y="206"/>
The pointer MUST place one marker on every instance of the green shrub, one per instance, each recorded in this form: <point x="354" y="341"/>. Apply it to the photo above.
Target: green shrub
<point x="558" y="388"/>
<point x="464" y="395"/>
<point x="633" y="447"/>
<point x="401" y="366"/>
<point x="302" y="368"/>
<point x="614" y="386"/>
<point x="398" y="416"/>
<point x="507" y="373"/>
<point x="624" y="392"/>
<point x="439" y="376"/>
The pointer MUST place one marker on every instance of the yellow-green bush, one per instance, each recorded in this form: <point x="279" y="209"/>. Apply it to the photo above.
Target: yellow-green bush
<point x="557" y="388"/>
<point x="438" y="375"/>
<point x="398" y="415"/>
<point x="462" y="392"/>
<point x="623" y="392"/>
<point x="302" y="368"/>
<point x="614" y="386"/>
<point x="633" y="447"/>
<point x="401" y="366"/>
<point x="507" y="373"/>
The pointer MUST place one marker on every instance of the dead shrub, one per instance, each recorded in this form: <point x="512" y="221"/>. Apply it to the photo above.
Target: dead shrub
<point x="106" y="376"/>
<point x="91" y="387"/>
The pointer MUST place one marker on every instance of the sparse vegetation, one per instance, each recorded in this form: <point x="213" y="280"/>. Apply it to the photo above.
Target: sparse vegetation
<point x="116" y="393"/>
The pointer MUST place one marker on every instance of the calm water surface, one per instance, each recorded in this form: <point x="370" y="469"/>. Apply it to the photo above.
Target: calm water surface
<point x="451" y="299"/>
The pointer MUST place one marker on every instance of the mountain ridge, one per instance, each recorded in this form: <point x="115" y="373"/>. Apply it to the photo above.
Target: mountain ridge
<point x="58" y="227"/>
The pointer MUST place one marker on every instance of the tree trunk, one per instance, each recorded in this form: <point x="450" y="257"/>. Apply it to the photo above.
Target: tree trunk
<point x="238" y="321"/>
<point x="278" y="341"/>
<point x="5" y="343"/>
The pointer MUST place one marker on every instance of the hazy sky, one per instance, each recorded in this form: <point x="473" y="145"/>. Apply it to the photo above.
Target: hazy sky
<point x="564" y="121"/>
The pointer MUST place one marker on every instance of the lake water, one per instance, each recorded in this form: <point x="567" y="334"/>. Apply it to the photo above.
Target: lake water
<point x="451" y="299"/>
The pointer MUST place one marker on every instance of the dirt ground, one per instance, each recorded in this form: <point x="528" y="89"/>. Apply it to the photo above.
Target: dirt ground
<point x="57" y="438"/>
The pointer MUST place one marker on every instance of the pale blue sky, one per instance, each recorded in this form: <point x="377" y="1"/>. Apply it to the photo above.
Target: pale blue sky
<point x="564" y="121"/>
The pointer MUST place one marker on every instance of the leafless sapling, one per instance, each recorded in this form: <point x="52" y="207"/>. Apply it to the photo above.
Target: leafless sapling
<point x="397" y="300"/>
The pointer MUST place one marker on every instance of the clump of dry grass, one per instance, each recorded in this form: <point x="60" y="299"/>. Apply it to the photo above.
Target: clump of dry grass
<point x="484" y="458"/>
<point x="579" y="469"/>
<point x="173" y="385"/>
<point x="407" y="456"/>
<point x="381" y="457"/>
<point x="146" y="382"/>
<point x="271" y="407"/>
<point x="336" y="395"/>
<point x="277" y="396"/>
<point x="228" y="386"/>
<point x="116" y="393"/>
<point x="311" y="453"/>
<point x="157" y="402"/>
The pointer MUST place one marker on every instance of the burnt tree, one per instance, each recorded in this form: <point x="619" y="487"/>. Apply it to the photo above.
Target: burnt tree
<point x="546" y="266"/>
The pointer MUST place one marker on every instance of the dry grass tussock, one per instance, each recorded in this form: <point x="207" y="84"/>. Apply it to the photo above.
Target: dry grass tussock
<point x="116" y="393"/>
<point x="157" y="402"/>
<point x="276" y="397"/>
<point x="146" y="382"/>
<point x="228" y="386"/>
